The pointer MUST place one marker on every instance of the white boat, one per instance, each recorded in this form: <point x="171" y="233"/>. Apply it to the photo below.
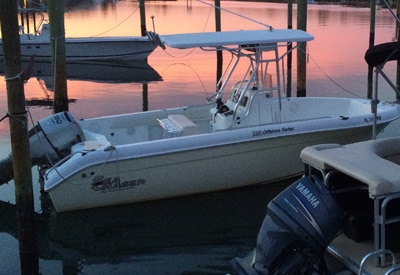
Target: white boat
<point x="254" y="137"/>
<point x="85" y="48"/>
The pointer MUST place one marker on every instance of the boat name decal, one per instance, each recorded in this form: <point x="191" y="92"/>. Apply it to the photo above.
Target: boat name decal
<point x="103" y="184"/>
<point x="307" y="194"/>
<point x="272" y="131"/>
<point x="369" y="119"/>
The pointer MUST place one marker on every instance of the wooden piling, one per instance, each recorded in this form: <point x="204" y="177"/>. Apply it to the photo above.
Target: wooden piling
<point x="371" y="44"/>
<point x="289" y="49"/>
<point x="28" y="251"/>
<point x="301" y="51"/>
<point x="142" y="10"/>
<point x="397" y="37"/>
<point x="57" y="37"/>
<point x="217" y="4"/>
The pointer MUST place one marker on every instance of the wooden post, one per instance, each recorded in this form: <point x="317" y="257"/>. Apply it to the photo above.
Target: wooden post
<point x="218" y="29"/>
<point x="371" y="44"/>
<point x="57" y="37"/>
<point x="145" y="93"/>
<point x="289" y="49"/>
<point x="397" y="37"/>
<point x="301" y="51"/>
<point x="28" y="251"/>
<point x="142" y="18"/>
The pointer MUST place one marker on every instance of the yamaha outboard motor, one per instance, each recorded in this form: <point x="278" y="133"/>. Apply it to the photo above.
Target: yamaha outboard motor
<point x="299" y="225"/>
<point x="50" y="140"/>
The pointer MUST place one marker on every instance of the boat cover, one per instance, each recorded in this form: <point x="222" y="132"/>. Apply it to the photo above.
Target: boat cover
<point x="375" y="163"/>
<point x="382" y="53"/>
<point x="226" y="38"/>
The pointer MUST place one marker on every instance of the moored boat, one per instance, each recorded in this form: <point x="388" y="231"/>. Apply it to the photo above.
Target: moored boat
<point x="346" y="203"/>
<point x="252" y="135"/>
<point x="85" y="48"/>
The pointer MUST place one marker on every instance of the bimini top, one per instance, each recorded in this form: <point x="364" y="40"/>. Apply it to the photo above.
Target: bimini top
<point x="382" y="53"/>
<point x="229" y="38"/>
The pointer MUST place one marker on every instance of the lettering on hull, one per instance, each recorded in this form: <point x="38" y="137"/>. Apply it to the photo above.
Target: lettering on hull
<point x="371" y="118"/>
<point x="272" y="131"/>
<point x="110" y="184"/>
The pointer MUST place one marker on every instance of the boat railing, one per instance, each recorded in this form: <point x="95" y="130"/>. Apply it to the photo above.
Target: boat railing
<point x="384" y="209"/>
<point x="380" y="253"/>
<point x="37" y="25"/>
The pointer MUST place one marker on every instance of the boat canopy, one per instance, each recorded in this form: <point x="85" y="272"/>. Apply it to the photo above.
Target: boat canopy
<point x="226" y="38"/>
<point x="382" y="53"/>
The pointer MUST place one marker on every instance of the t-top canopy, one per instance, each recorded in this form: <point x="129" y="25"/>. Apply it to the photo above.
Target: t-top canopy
<point x="229" y="38"/>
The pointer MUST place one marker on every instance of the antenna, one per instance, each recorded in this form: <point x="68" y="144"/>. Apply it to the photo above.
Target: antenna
<point x="152" y="20"/>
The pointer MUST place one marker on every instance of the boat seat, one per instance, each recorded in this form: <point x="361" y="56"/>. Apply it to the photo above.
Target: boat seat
<point x="374" y="163"/>
<point x="361" y="161"/>
<point x="179" y="125"/>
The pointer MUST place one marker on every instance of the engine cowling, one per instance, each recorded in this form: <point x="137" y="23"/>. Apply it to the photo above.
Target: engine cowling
<point x="50" y="140"/>
<point x="300" y="223"/>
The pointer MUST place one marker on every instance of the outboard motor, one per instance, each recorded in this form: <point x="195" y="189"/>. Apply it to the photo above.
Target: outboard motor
<point x="299" y="225"/>
<point x="50" y="140"/>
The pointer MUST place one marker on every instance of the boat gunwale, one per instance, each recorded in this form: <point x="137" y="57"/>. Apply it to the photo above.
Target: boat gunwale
<point x="218" y="139"/>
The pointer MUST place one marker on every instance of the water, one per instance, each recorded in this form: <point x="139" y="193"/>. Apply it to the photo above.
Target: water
<point x="193" y="235"/>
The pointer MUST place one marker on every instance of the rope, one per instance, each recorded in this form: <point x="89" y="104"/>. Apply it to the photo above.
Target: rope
<point x="328" y="77"/>
<point x="13" y="115"/>
<point x="18" y="76"/>
<point x="133" y="12"/>
<point x="239" y="15"/>
<point x="204" y="28"/>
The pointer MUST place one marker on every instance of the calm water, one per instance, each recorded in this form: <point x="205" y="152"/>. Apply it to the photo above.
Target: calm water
<point x="195" y="235"/>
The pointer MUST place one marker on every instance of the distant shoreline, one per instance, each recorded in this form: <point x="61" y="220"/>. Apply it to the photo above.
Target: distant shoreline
<point x="351" y="3"/>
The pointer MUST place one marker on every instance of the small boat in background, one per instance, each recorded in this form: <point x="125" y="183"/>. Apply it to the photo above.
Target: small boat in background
<point x="37" y="43"/>
<point x="253" y="135"/>
<point x="85" y="48"/>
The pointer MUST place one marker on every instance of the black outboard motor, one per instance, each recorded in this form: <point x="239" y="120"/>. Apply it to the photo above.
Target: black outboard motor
<point x="50" y="140"/>
<point x="299" y="225"/>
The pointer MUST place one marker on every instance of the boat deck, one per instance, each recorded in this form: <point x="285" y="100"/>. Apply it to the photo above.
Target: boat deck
<point x="352" y="253"/>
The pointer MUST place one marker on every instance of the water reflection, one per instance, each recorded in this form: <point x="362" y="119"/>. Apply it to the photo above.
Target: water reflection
<point x="110" y="72"/>
<point x="76" y="4"/>
<point x="204" y="231"/>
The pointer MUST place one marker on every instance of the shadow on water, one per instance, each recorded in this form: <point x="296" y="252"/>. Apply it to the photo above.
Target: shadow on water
<point x="204" y="231"/>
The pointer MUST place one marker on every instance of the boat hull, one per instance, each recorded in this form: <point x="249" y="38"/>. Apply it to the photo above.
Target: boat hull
<point x="187" y="172"/>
